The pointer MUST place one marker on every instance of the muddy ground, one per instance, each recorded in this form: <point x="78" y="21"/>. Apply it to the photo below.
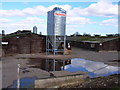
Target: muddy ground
<point x="112" y="81"/>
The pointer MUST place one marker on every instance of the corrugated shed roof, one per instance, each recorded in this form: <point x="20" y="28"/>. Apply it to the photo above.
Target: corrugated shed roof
<point x="109" y="39"/>
<point x="92" y="41"/>
<point x="104" y="40"/>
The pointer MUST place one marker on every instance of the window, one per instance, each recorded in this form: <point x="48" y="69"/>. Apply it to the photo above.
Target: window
<point x="92" y="45"/>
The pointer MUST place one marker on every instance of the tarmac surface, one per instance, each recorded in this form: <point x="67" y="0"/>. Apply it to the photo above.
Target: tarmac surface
<point x="9" y="63"/>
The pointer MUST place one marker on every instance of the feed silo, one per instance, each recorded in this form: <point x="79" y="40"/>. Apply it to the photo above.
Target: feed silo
<point x="35" y="29"/>
<point x="56" y="25"/>
<point x="3" y="32"/>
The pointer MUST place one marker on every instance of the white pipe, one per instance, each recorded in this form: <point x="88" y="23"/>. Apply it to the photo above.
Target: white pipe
<point x="18" y="76"/>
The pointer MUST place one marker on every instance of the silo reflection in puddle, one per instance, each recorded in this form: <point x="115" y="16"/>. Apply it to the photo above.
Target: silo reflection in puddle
<point x="56" y="65"/>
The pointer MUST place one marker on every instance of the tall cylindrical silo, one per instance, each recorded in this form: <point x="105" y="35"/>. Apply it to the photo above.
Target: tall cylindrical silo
<point x="35" y="29"/>
<point x="56" y="22"/>
<point x="56" y="26"/>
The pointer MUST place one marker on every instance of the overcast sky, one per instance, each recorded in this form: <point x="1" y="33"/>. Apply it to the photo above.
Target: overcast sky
<point x="84" y="17"/>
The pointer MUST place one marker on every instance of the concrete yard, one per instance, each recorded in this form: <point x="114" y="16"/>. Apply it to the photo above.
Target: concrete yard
<point x="109" y="57"/>
<point x="103" y="56"/>
<point x="9" y="63"/>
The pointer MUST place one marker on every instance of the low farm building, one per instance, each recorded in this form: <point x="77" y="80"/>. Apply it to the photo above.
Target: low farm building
<point x="105" y="45"/>
<point x="25" y="42"/>
<point x="22" y="42"/>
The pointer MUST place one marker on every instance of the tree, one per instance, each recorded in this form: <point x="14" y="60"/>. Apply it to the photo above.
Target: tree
<point x="85" y="34"/>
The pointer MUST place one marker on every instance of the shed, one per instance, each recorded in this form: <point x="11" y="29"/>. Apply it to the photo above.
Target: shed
<point x="110" y="45"/>
<point x="22" y="42"/>
<point x="106" y="44"/>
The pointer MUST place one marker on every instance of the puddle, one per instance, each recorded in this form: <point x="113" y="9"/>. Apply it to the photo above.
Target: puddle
<point x="48" y="64"/>
<point x="94" y="69"/>
<point x="27" y="82"/>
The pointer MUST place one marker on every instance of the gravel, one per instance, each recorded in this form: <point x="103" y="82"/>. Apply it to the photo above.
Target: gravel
<point x="111" y="81"/>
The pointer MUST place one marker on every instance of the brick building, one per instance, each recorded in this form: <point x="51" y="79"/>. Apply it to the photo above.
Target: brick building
<point x="105" y="45"/>
<point x="22" y="42"/>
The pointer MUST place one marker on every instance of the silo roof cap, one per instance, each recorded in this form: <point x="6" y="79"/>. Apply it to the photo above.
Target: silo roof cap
<point x="59" y="9"/>
<point x="34" y="26"/>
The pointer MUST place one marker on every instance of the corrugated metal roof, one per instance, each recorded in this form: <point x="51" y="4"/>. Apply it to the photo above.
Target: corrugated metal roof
<point x="91" y="41"/>
<point x="109" y="39"/>
<point x="104" y="40"/>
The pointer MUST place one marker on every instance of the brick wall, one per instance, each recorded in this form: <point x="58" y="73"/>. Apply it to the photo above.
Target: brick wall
<point x="112" y="45"/>
<point x="24" y="43"/>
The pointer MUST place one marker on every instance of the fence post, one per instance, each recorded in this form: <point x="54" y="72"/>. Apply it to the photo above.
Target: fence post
<point x="18" y="76"/>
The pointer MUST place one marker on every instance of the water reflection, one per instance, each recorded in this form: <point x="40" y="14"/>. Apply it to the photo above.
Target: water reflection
<point x="55" y="65"/>
<point x="94" y="69"/>
<point x="48" y="64"/>
<point x="24" y="83"/>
